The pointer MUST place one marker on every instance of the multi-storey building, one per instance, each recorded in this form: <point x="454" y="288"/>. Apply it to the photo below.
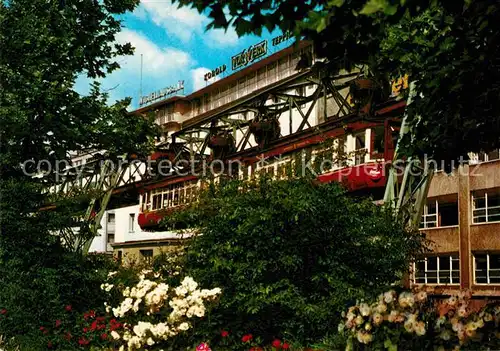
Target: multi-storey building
<point x="265" y="114"/>
<point x="462" y="218"/>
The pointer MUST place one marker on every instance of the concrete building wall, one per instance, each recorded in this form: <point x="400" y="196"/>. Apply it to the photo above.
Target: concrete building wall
<point x="477" y="233"/>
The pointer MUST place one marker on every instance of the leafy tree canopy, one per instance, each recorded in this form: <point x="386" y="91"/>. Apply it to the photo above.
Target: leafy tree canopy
<point x="450" y="49"/>
<point x="45" y="46"/>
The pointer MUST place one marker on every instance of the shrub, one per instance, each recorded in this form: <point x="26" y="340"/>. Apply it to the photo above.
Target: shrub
<point x="34" y="296"/>
<point x="289" y="256"/>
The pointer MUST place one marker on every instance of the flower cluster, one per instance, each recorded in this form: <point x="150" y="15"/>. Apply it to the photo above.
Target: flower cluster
<point x="161" y="312"/>
<point x="458" y="320"/>
<point x="412" y="316"/>
<point x="76" y="329"/>
<point x="390" y="308"/>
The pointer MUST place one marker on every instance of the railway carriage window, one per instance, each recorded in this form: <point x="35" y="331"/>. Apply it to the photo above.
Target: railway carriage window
<point x="378" y="141"/>
<point x="170" y="196"/>
<point x="157" y="201"/>
<point x="176" y="195"/>
<point x="181" y="196"/>
<point x="341" y="151"/>
<point x="281" y="171"/>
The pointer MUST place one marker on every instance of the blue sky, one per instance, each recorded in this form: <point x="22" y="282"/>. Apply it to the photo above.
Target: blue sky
<point x="175" y="46"/>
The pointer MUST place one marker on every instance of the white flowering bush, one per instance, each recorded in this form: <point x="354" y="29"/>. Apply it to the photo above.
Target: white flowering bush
<point x="411" y="321"/>
<point x="153" y="313"/>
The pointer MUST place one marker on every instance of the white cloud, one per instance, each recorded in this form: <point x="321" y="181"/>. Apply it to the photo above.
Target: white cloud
<point x="162" y="66"/>
<point x="221" y="38"/>
<point x="198" y="78"/>
<point x="184" y="23"/>
<point x="156" y="60"/>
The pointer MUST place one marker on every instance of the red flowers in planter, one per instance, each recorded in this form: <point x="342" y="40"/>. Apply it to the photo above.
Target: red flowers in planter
<point x="247" y="338"/>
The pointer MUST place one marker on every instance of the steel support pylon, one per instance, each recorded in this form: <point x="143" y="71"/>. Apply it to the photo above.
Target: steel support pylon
<point x="408" y="197"/>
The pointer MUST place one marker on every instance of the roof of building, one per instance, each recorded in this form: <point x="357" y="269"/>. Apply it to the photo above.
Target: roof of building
<point x="232" y="77"/>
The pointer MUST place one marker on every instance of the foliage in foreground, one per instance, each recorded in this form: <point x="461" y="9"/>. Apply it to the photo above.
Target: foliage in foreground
<point x="290" y="255"/>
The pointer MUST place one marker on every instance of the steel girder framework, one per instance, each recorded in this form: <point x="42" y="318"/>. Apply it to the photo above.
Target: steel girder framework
<point x="328" y="94"/>
<point x="281" y="101"/>
<point x="408" y="197"/>
<point x="98" y="179"/>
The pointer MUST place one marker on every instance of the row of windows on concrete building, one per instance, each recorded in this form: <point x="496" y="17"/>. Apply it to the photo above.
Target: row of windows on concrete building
<point x="445" y="269"/>
<point x="444" y="212"/>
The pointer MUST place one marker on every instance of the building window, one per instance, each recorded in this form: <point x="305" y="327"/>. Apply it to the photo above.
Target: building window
<point x="487" y="268"/>
<point x="147" y="256"/>
<point x="131" y="222"/>
<point x="119" y="256"/>
<point x="111" y="218"/>
<point x="440" y="213"/>
<point x="437" y="270"/>
<point x="485" y="207"/>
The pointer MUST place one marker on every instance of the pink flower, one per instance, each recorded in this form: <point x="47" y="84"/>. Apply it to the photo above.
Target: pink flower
<point x="203" y="347"/>
<point x="224" y="333"/>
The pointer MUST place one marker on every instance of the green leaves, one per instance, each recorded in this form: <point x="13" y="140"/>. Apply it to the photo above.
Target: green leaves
<point x="374" y="6"/>
<point x="291" y="254"/>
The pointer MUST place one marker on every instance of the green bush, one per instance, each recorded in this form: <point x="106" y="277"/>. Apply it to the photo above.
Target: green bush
<point x="37" y="295"/>
<point x="291" y="255"/>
